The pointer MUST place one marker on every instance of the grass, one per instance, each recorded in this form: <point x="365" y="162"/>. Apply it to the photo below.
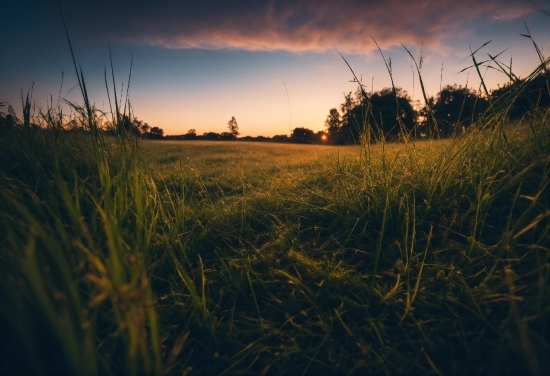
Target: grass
<point x="252" y="258"/>
<point x="119" y="256"/>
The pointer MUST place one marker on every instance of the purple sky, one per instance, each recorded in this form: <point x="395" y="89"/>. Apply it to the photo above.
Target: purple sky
<point x="198" y="63"/>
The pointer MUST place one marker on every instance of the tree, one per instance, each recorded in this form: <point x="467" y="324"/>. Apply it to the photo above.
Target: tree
<point x="227" y="136"/>
<point x="190" y="135"/>
<point x="347" y="108"/>
<point x="524" y="96"/>
<point x="210" y="136"/>
<point x="457" y="107"/>
<point x="425" y="119"/>
<point x="302" y="135"/>
<point x="145" y="127"/>
<point x="156" y="132"/>
<point x="389" y="113"/>
<point x="393" y="112"/>
<point x="233" y="126"/>
<point x="280" y="138"/>
<point x="333" y="121"/>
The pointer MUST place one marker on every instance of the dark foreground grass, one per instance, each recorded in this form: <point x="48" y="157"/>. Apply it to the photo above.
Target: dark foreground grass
<point x="223" y="258"/>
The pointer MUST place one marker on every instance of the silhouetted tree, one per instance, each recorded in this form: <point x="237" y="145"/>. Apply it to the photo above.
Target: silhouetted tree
<point x="457" y="107"/>
<point x="280" y="138"/>
<point x="190" y="135"/>
<point x="155" y="133"/>
<point x="425" y="119"/>
<point x="145" y="127"/>
<point x="233" y="126"/>
<point x="347" y="108"/>
<point x="523" y="97"/>
<point x="124" y="125"/>
<point x="227" y="136"/>
<point x="388" y="113"/>
<point x="333" y="122"/>
<point x="210" y="136"/>
<point x="302" y="135"/>
<point x="392" y="112"/>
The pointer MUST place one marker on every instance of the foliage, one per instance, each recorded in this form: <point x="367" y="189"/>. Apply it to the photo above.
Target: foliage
<point x="302" y="135"/>
<point x="233" y="126"/>
<point x="389" y="113"/>
<point x="457" y="108"/>
<point x="333" y="123"/>
<point x="525" y="97"/>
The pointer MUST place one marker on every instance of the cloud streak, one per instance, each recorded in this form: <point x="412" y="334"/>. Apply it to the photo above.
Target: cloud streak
<point x="304" y="26"/>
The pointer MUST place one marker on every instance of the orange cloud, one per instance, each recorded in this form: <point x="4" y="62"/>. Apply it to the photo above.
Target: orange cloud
<point x="296" y="26"/>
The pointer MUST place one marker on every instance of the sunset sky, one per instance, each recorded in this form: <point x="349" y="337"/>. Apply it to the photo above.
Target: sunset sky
<point x="198" y="63"/>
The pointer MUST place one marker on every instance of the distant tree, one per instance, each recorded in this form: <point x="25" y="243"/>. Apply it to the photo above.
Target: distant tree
<point x="210" y="136"/>
<point x="280" y="138"/>
<point x="156" y="133"/>
<point x="347" y="108"/>
<point x="389" y="114"/>
<point x="233" y="126"/>
<point x="227" y="136"/>
<point x="302" y="135"/>
<point x="521" y="97"/>
<point x="190" y="135"/>
<point x="425" y="120"/>
<point x="127" y="125"/>
<point x="457" y="107"/>
<point x="145" y="127"/>
<point x="393" y="111"/>
<point x="333" y="122"/>
<point x="138" y="124"/>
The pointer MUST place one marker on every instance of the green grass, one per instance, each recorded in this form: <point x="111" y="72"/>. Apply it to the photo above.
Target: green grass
<point x="197" y="257"/>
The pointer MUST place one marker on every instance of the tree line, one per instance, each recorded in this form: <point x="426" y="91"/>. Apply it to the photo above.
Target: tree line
<point x="390" y="113"/>
<point x="387" y="114"/>
<point x="45" y="119"/>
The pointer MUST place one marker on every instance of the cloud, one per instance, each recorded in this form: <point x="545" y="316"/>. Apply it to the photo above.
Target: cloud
<point x="296" y="26"/>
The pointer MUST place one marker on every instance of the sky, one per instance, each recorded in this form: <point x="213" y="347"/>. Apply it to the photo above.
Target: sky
<point x="274" y="65"/>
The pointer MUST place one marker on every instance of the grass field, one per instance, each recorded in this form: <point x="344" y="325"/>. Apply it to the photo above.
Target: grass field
<point x="148" y="257"/>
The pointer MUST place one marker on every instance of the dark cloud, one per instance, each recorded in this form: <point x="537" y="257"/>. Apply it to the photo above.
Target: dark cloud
<point x="306" y="25"/>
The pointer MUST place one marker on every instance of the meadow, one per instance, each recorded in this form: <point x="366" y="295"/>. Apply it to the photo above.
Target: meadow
<point x="125" y="256"/>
